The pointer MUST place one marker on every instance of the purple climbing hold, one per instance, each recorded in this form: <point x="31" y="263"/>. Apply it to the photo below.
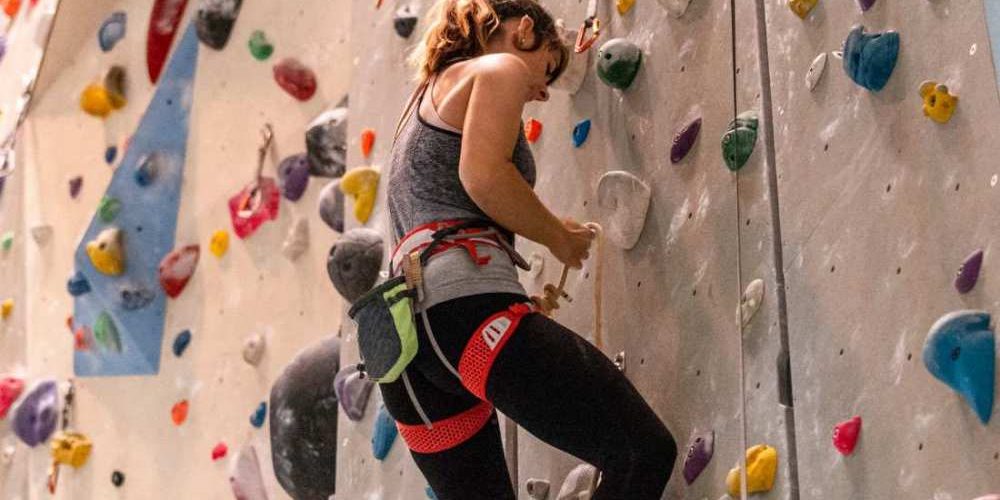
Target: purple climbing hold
<point x="699" y="454"/>
<point x="684" y="140"/>
<point x="293" y="176"/>
<point x="37" y="415"/>
<point x="3" y="47"/>
<point x="112" y="31"/>
<point x="968" y="274"/>
<point x="352" y="392"/>
<point x="75" y="185"/>
<point x="865" y="4"/>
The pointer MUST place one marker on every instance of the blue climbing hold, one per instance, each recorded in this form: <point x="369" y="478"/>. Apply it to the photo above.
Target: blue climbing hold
<point x="870" y="58"/>
<point x="580" y="133"/>
<point x="385" y="433"/>
<point x="112" y="31"/>
<point x="961" y="352"/>
<point x="78" y="285"/>
<point x="259" y="415"/>
<point x="135" y="297"/>
<point x="181" y="342"/>
<point x="430" y="493"/>
<point x="148" y="169"/>
<point x="110" y="154"/>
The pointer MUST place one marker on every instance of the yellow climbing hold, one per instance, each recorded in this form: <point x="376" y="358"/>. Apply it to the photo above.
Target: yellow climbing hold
<point x="71" y="448"/>
<point x="219" y="243"/>
<point x="107" y="253"/>
<point x="762" y="466"/>
<point x="6" y="308"/>
<point x="624" y="6"/>
<point x="802" y="8"/>
<point x="939" y="104"/>
<point x="362" y="184"/>
<point x="97" y="101"/>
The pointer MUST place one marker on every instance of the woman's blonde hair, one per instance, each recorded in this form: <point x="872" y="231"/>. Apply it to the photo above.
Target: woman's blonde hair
<point x="459" y="30"/>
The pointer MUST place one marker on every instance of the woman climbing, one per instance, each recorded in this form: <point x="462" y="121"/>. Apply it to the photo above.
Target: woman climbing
<point x="461" y="164"/>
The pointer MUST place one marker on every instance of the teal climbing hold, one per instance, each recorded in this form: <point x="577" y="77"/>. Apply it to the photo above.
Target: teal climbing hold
<point x="181" y="343"/>
<point x="580" y="133"/>
<point x="430" y="493"/>
<point x="384" y="435"/>
<point x="78" y="285"/>
<point x="618" y="62"/>
<point x="259" y="415"/>
<point x="870" y="58"/>
<point x="961" y="352"/>
<point x="740" y="140"/>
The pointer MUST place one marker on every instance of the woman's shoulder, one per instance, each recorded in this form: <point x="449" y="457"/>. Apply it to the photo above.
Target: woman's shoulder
<point x="498" y="66"/>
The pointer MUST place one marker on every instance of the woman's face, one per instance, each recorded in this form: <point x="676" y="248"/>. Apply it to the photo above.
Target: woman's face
<point x="543" y="63"/>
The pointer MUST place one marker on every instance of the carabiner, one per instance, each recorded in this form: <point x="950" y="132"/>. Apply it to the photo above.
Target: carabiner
<point x="583" y="42"/>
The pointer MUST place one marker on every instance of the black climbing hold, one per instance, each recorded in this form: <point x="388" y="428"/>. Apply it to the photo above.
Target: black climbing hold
<point x="117" y="478"/>
<point x="326" y="142"/>
<point x="405" y="21"/>
<point x="215" y="21"/>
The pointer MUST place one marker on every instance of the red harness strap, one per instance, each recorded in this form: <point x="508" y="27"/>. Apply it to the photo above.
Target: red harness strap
<point x="485" y="345"/>
<point x="447" y="433"/>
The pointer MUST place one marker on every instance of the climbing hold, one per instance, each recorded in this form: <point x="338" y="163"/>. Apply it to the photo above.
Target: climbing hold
<point x="816" y="70"/>
<point x="82" y="338"/>
<point x="260" y="47"/>
<point x="215" y="21"/>
<point x="116" y="83"/>
<point x="112" y="31"/>
<point x="149" y="167"/>
<point x="219" y="243"/>
<point x="259" y="415"/>
<point x="179" y="412"/>
<point x="253" y="349"/>
<point x="135" y="297"/>
<point x="78" y="285"/>
<point x="430" y="493"/>
<point x="580" y="133"/>
<point x="295" y="78"/>
<point x="739" y="142"/>
<point x="10" y="389"/>
<point x="352" y="391"/>
<point x="699" y="454"/>
<point x="301" y="447"/>
<point x="869" y="59"/>
<point x="181" y="343"/>
<point x="532" y="130"/>
<point x="684" y="140"/>
<point x="106" y="333"/>
<point x="802" y="8"/>
<point x="961" y="352"/>
<point x="865" y="4"/>
<point x="536" y="264"/>
<point x="623" y="200"/>
<point x="163" y="23"/>
<point x="367" y="141"/>
<point x="579" y="483"/>
<point x="110" y="154"/>
<point x="845" y="435"/>
<point x="7" y="452"/>
<point x="297" y="241"/>
<point x="293" y="176"/>
<point x="36" y="415"/>
<point x="11" y="7"/>
<point x="619" y="361"/>
<point x="354" y="262"/>
<point x="618" y="62"/>
<point x="750" y="303"/>
<point x="384" y="434"/>
<point x="968" y="273"/>
<point x="107" y="252"/>
<point x="219" y="451"/>
<point x="6" y="308"/>
<point x="7" y="241"/>
<point x="245" y="478"/>
<point x="41" y="233"/>
<point x="75" y="185"/>
<point x="404" y="21"/>
<point x="331" y="206"/>
<point x="108" y="209"/>
<point x="254" y="205"/>
<point x="326" y="142"/>
<point x="176" y="269"/>
<point x="939" y="104"/>
<point x="362" y="184"/>
<point x="71" y="448"/>
<point x="624" y="6"/>
<point x="117" y="479"/>
<point x="95" y="100"/>
<point x="762" y="467"/>
<point x="538" y="489"/>
<point x="675" y="8"/>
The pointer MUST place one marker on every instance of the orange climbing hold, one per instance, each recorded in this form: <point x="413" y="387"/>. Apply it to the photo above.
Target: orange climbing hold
<point x="10" y="7"/>
<point x="367" y="141"/>
<point x="533" y="130"/>
<point x="179" y="413"/>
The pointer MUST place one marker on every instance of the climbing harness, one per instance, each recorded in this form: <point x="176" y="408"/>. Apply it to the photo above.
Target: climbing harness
<point x="590" y="24"/>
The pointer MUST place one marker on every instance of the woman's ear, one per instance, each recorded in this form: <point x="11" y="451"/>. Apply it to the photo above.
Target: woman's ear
<point x="525" y="33"/>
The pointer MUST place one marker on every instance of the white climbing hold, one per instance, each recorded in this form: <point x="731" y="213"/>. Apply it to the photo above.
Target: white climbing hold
<point x="623" y="200"/>
<point x="816" y="71"/>
<point x="41" y="233"/>
<point x="576" y="70"/>
<point x="580" y="483"/>
<point x="245" y="478"/>
<point x="675" y="8"/>
<point x="253" y="349"/>
<point x="753" y="296"/>
<point x="537" y="263"/>
<point x="297" y="241"/>
<point x="538" y="489"/>
<point x="7" y="452"/>
<point x="619" y="361"/>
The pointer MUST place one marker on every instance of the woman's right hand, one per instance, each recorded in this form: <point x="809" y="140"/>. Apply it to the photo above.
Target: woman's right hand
<point x="572" y="245"/>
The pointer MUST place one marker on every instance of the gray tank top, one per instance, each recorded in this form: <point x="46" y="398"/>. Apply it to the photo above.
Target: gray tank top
<point x="424" y="187"/>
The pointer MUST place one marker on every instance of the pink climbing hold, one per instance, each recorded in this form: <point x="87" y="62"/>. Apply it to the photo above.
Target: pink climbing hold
<point x="845" y="435"/>
<point x="253" y="206"/>
<point x="219" y="451"/>
<point x="176" y="269"/>
<point x="10" y="389"/>
<point x="295" y="78"/>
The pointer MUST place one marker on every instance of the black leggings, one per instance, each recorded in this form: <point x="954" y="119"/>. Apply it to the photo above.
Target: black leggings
<point x="554" y="384"/>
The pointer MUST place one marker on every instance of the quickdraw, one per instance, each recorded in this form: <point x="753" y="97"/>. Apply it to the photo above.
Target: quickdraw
<point x="590" y="24"/>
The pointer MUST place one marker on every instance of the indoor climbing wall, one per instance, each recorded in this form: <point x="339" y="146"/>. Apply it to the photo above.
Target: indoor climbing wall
<point x="880" y="206"/>
<point x="246" y="310"/>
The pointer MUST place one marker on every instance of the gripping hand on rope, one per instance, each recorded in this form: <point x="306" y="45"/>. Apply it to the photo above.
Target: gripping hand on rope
<point x="571" y="249"/>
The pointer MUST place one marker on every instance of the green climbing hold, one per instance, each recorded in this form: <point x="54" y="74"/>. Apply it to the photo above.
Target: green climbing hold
<point x="618" y="62"/>
<point x="108" y="209"/>
<point x="106" y="333"/>
<point x="739" y="141"/>
<point x="7" y="241"/>
<point x="260" y="47"/>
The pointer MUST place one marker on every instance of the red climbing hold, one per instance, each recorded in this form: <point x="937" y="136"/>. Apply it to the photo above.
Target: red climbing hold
<point x="176" y="269"/>
<point x="253" y="206"/>
<point x="163" y="23"/>
<point x="367" y="141"/>
<point x="845" y="435"/>
<point x="10" y="390"/>
<point x="295" y="78"/>
<point x="533" y="130"/>
<point x="219" y="451"/>
<point x="179" y="413"/>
